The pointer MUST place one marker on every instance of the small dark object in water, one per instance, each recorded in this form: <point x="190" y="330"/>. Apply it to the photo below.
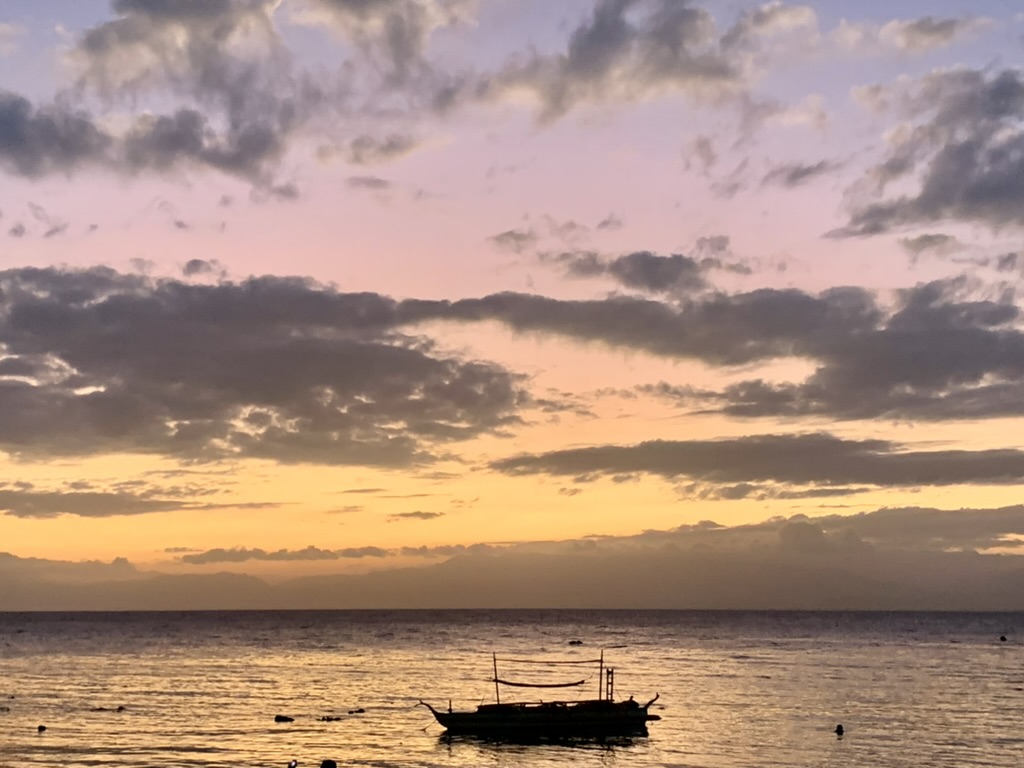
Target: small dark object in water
<point x="41" y="728"/>
<point x="329" y="718"/>
<point x="293" y="764"/>
<point x="283" y="719"/>
<point x="328" y="764"/>
<point x="359" y="711"/>
<point x="575" y="642"/>
<point x="1002" y="638"/>
<point x="839" y="730"/>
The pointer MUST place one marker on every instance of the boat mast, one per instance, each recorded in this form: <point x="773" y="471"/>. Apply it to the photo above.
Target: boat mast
<point x="497" y="695"/>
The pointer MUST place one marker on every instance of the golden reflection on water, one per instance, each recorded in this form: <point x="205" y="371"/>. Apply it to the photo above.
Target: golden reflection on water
<point x="741" y="690"/>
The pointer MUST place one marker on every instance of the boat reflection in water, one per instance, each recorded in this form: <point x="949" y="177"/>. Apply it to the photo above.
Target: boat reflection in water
<point x="525" y="741"/>
<point x="598" y="718"/>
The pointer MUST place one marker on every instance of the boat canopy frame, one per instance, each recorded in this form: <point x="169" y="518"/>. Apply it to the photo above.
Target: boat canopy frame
<point x="605" y="676"/>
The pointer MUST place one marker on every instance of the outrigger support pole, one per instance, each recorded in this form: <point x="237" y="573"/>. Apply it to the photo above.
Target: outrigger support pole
<point x="497" y="694"/>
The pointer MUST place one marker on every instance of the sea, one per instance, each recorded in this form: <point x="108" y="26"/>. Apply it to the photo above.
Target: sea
<point x="734" y="688"/>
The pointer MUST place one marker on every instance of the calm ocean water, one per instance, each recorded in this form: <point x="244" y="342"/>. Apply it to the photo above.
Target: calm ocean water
<point x="737" y="688"/>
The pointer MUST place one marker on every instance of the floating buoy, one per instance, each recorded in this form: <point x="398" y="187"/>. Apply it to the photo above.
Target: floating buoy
<point x="839" y="730"/>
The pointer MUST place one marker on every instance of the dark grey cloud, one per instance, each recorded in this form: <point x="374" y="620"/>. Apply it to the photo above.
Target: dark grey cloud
<point x="51" y="140"/>
<point x="642" y="270"/>
<point x="370" y="150"/>
<point x="275" y="368"/>
<point x="368" y="182"/>
<point x="186" y="138"/>
<point x="895" y="529"/>
<point x="346" y="510"/>
<point x="393" y="34"/>
<point x="206" y="50"/>
<point x="719" y="329"/>
<point x="936" y="357"/>
<point x="934" y="529"/>
<point x="701" y="150"/>
<point x="197" y="267"/>
<point x="281" y="192"/>
<point x="311" y="553"/>
<point x="790" y="460"/>
<point x="515" y="240"/>
<point x="56" y="229"/>
<point x="755" y="23"/>
<point x="964" y="156"/>
<point x="1010" y="262"/>
<point x="33" y="503"/>
<point x="763" y="492"/>
<point x="933" y="241"/>
<point x="234" y="100"/>
<point x="447" y="550"/>
<point x="415" y="515"/>
<point x="797" y="174"/>
<point x="242" y="554"/>
<point x="627" y="50"/>
<point x="240" y="101"/>
<point x="936" y="354"/>
<point x="128" y="497"/>
<point x="927" y="32"/>
<point x="57" y="138"/>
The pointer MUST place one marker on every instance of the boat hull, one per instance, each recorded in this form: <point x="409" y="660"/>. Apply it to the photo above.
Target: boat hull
<point x="556" y="720"/>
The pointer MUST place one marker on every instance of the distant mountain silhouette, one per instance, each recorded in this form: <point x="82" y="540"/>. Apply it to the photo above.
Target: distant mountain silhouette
<point x="667" y="577"/>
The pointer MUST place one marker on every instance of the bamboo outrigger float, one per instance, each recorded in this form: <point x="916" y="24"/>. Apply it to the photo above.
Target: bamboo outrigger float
<point x="598" y="717"/>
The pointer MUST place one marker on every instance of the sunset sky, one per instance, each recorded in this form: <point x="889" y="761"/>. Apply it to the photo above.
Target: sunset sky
<point x="310" y="287"/>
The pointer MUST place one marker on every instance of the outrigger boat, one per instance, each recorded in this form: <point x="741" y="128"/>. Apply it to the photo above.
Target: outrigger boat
<point x="588" y="718"/>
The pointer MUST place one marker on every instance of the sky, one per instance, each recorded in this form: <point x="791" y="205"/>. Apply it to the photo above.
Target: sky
<point x="654" y="303"/>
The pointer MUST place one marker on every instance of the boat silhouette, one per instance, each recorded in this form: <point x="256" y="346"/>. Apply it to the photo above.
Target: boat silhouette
<point x="525" y="721"/>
